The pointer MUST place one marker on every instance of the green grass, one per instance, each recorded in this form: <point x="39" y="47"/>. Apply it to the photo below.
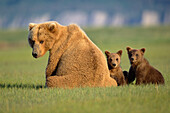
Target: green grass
<point x="22" y="78"/>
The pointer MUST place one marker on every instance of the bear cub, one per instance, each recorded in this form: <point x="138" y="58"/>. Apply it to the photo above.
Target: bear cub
<point x="113" y="60"/>
<point x="141" y="69"/>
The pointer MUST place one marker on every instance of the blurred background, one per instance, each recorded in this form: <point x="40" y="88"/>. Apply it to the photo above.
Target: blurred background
<point x="19" y="13"/>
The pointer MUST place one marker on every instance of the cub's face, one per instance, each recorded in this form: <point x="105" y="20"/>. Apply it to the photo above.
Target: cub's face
<point x="41" y="38"/>
<point x="113" y="59"/>
<point x="135" y="55"/>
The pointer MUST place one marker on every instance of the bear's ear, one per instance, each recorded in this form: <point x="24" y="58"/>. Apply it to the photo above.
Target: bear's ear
<point x="107" y="53"/>
<point x="51" y="26"/>
<point x="120" y="53"/>
<point x="31" y="25"/>
<point x="143" y="50"/>
<point x="128" y="49"/>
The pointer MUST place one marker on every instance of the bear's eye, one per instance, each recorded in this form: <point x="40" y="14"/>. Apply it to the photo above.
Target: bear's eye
<point x="41" y="42"/>
<point x="136" y="54"/>
<point x="130" y="55"/>
<point x="33" y="42"/>
<point x="117" y="59"/>
<point x="110" y="59"/>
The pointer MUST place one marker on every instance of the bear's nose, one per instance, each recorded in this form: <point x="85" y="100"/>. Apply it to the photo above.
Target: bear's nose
<point x="34" y="55"/>
<point x="114" y="64"/>
<point x="132" y="59"/>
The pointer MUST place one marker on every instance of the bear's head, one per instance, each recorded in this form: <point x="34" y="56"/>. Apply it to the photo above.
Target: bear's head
<point x="41" y="37"/>
<point x="135" y="55"/>
<point x="113" y="59"/>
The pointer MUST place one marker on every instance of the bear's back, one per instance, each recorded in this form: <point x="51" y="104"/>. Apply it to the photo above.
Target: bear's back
<point x="154" y="76"/>
<point x="83" y="58"/>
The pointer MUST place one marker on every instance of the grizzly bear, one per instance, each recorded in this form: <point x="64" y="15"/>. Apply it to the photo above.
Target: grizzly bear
<point x="113" y="61"/>
<point x="74" y="60"/>
<point x="141" y="69"/>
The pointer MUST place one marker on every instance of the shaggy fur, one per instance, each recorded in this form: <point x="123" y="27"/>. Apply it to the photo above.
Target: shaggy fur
<point x="141" y="69"/>
<point x="74" y="60"/>
<point x="113" y="60"/>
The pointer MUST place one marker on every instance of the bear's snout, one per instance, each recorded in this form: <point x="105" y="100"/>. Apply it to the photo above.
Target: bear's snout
<point x="132" y="59"/>
<point x="114" y="64"/>
<point x="34" y="55"/>
<point x="36" y="51"/>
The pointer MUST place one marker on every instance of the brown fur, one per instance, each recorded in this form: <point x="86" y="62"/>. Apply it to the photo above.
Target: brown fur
<point x="141" y="69"/>
<point x="113" y="60"/>
<point x="74" y="60"/>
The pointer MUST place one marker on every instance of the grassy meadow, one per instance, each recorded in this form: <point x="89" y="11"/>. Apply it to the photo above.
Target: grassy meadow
<point x="22" y="78"/>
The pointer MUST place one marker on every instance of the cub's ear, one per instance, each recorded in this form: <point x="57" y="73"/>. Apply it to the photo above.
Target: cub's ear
<point x="51" y="26"/>
<point x="120" y="53"/>
<point x="31" y="25"/>
<point x="143" y="50"/>
<point x="128" y="49"/>
<point x="107" y="53"/>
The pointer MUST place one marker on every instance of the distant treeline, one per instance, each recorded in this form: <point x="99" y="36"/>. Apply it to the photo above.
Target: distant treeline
<point x="18" y="13"/>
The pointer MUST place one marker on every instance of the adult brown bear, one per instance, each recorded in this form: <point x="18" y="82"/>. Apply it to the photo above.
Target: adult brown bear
<point x="74" y="60"/>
